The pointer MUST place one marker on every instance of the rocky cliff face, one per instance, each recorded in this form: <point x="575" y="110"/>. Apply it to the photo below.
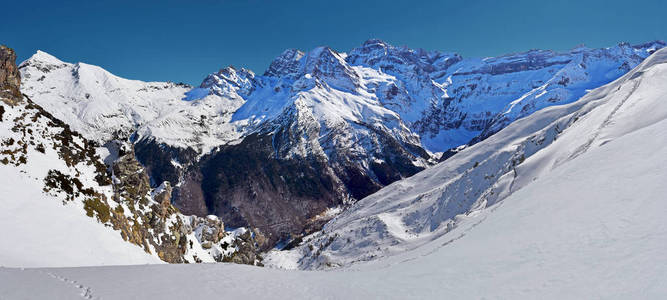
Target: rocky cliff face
<point x="10" y="79"/>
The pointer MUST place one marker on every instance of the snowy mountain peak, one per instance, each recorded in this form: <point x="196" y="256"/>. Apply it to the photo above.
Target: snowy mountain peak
<point x="374" y="42"/>
<point x="321" y="62"/>
<point x="379" y="54"/>
<point x="330" y="66"/>
<point x="44" y="57"/>
<point x="651" y="46"/>
<point x="286" y="64"/>
<point x="229" y="81"/>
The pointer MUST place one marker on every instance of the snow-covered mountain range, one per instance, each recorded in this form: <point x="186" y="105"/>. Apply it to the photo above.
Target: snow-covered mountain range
<point x="525" y="162"/>
<point x="568" y="202"/>
<point x="318" y="129"/>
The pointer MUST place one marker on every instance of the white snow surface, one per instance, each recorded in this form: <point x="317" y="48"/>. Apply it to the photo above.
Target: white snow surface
<point x="577" y="211"/>
<point x="39" y="231"/>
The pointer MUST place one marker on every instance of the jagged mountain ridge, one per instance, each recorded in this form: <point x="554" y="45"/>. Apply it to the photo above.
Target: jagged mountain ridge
<point x="353" y="122"/>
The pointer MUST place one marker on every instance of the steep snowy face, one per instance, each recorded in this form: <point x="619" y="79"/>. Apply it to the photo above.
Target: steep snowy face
<point x="489" y="94"/>
<point x="285" y="65"/>
<point x="230" y="82"/>
<point x="315" y="112"/>
<point x="412" y="212"/>
<point x="316" y="122"/>
<point x="323" y="63"/>
<point x="414" y="91"/>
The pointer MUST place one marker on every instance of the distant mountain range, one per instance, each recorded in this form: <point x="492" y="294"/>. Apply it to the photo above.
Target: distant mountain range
<point x="318" y="130"/>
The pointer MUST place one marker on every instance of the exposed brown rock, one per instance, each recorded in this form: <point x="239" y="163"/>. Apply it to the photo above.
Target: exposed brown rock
<point x="163" y="197"/>
<point x="10" y="79"/>
<point x="130" y="179"/>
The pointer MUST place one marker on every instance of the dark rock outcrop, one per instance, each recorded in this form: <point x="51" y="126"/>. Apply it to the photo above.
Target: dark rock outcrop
<point x="246" y="185"/>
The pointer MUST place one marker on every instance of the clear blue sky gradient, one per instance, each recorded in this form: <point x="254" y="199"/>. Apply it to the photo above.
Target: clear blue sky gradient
<point x="183" y="41"/>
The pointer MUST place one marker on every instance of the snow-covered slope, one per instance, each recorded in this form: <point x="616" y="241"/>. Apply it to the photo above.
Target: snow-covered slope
<point x="62" y="208"/>
<point x="613" y="126"/>
<point x="39" y="231"/>
<point x="443" y="97"/>
<point x="321" y="119"/>
<point x="567" y="202"/>
<point x="103" y="106"/>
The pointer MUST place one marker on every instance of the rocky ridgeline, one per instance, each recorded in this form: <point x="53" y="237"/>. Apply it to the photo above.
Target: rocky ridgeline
<point x="117" y="194"/>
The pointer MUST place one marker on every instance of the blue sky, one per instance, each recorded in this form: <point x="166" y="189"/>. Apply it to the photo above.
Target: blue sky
<point x="183" y="41"/>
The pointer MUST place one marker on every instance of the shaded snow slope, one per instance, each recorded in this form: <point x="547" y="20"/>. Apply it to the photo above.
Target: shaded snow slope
<point x="413" y="212"/>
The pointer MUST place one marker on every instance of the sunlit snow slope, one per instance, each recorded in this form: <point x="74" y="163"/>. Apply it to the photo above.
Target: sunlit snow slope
<point x="39" y="231"/>
<point x="581" y="216"/>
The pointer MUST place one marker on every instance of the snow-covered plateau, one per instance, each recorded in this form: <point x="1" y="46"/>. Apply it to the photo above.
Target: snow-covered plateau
<point x="568" y="202"/>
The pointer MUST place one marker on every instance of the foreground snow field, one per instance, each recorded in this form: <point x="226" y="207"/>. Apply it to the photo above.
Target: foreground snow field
<point x="46" y="233"/>
<point x="588" y="222"/>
